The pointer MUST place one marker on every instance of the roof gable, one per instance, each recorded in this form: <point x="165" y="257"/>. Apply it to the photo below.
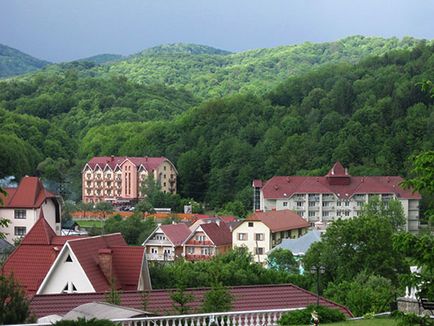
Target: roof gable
<point x="219" y="234"/>
<point x="30" y="193"/>
<point x="176" y="233"/>
<point x="40" y="234"/>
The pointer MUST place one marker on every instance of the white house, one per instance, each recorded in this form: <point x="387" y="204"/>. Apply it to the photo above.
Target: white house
<point x="23" y="205"/>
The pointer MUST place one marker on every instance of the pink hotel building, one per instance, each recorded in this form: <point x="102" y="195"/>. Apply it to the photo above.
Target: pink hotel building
<point x="118" y="179"/>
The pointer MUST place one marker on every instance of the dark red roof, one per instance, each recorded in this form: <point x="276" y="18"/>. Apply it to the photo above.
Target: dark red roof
<point x="150" y="163"/>
<point x="337" y="182"/>
<point x="176" y="233"/>
<point x="86" y="250"/>
<point x="257" y="297"/>
<point x="127" y="264"/>
<point x="32" y="259"/>
<point x="219" y="234"/>
<point x="30" y="193"/>
<point x="282" y="220"/>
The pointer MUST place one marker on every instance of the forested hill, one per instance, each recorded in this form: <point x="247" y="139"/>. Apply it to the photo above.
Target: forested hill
<point x="210" y="73"/>
<point x="14" y="62"/>
<point x="103" y="58"/>
<point x="371" y="116"/>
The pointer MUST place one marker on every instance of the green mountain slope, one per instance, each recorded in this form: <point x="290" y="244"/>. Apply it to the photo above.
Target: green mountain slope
<point x="14" y="62"/>
<point x="214" y="73"/>
<point x="103" y="58"/>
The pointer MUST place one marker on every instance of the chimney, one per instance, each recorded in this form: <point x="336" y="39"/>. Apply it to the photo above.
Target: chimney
<point x="105" y="263"/>
<point x="112" y="158"/>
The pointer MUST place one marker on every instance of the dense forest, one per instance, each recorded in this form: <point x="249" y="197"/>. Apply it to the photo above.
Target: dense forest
<point x="370" y="114"/>
<point x="14" y="62"/>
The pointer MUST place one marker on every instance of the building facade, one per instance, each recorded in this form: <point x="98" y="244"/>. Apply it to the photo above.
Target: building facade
<point x="262" y="231"/>
<point x="119" y="179"/>
<point x="321" y="200"/>
<point x="23" y="206"/>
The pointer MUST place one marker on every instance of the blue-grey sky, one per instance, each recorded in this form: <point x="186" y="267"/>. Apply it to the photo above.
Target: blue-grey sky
<point x="62" y="30"/>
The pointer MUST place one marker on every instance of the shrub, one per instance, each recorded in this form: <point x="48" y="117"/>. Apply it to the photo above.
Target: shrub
<point x="297" y="317"/>
<point x="84" y="322"/>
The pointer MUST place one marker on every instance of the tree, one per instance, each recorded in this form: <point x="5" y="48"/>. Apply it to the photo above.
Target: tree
<point x="364" y="294"/>
<point x="181" y="298"/>
<point x="13" y="302"/>
<point x="113" y="296"/>
<point x="104" y="207"/>
<point x="283" y="260"/>
<point x="4" y="222"/>
<point x="217" y="299"/>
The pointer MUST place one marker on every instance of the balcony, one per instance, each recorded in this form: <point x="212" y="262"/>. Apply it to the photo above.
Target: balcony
<point x="200" y="243"/>
<point x="328" y="208"/>
<point x="328" y="198"/>
<point x="197" y="257"/>
<point x="160" y="257"/>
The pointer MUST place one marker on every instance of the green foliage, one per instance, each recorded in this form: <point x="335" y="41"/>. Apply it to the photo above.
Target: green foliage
<point x="84" y="322"/>
<point x="410" y="319"/>
<point x="113" y="296"/>
<point x="364" y="294"/>
<point x="217" y="299"/>
<point x="360" y="244"/>
<point x="235" y="267"/>
<point x="13" y="302"/>
<point x="14" y="62"/>
<point x="134" y="229"/>
<point x="282" y="259"/>
<point x="303" y="317"/>
<point x="181" y="299"/>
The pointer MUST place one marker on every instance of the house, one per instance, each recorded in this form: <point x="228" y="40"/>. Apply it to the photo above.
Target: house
<point x="96" y="264"/>
<point x="23" y="205"/>
<point x="47" y="263"/>
<point x="165" y="242"/>
<point x="5" y="249"/>
<point x="207" y="240"/>
<point x="320" y="200"/>
<point x="159" y="302"/>
<point x="118" y="179"/>
<point x="262" y="231"/>
<point x="32" y="259"/>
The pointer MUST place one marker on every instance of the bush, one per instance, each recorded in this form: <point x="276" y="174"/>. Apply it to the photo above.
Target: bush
<point x="84" y="322"/>
<point x="297" y="317"/>
<point x="409" y="319"/>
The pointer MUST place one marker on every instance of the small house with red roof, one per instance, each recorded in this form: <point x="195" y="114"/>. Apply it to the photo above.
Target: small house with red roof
<point x="96" y="264"/>
<point x="23" y="205"/>
<point x="118" y="179"/>
<point x="32" y="259"/>
<point x="262" y="231"/>
<point x="165" y="242"/>
<point x="322" y="199"/>
<point x="207" y="240"/>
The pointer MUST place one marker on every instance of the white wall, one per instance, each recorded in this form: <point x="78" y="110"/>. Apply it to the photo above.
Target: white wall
<point x="250" y="243"/>
<point x="62" y="273"/>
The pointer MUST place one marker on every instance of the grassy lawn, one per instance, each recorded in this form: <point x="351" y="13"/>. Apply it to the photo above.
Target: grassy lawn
<point x="87" y="224"/>
<point x="368" y="322"/>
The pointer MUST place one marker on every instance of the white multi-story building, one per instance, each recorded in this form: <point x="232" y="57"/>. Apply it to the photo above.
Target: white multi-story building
<point x="321" y="200"/>
<point x="23" y="205"/>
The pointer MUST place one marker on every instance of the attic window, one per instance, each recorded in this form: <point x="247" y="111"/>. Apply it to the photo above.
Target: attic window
<point x="68" y="259"/>
<point x="65" y="289"/>
<point x="250" y="224"/>
<point x="74" y="289"/>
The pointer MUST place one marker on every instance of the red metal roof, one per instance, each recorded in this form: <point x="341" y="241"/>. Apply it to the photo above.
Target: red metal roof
<point x="30" y="193"/>
<point x="177" y="233"/>
<point x="127" y="264"/>
<point x="282" y="220"/>
<point x="32" y="259"/>
<point x="337" y="182"/>
<point x="86" y="250"/>
<point x="219" y="234"/>
<point x="256" y="297"/>
<point x="150" y="163"/>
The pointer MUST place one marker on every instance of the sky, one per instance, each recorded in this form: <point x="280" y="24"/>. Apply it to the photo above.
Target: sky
<point x="64" y="30"/>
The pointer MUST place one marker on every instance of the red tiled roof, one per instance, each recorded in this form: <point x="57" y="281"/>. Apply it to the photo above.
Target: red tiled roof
<point x="32" y="259"/>
<point x="338" y="182"/>
<point x="127" y="263"/>
<point x="30" y="193"/>
<point x="177" y="233"/>
<point x="257" y="297"/>
<point x="279" y="220"/>
<point x="150" y="163"/>
<point x="257" y="183"/>
<point x="219" y="234"/>
<point x="86" y="251"/>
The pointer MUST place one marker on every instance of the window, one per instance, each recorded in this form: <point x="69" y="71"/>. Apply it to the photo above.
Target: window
<point x="325" y="213"/>
<point x="250" y="224"/>
<point x="285" y="204"/>
<point x="164" y="184"/>
<point x="242" y="236"/>
<point x="20" y="214"/>
<point x="154" y="251"/>
<point x="190" y="250"/>
<point x="311" y="214"/>
<point x="338" y="203"/>
<point x="259" y="236"/>
<point x="20" y="230"/>
<point x="312" y="203"/>
<point x="259" y="251"/>
<point x="301" y="213"/>
<point x="347" y="213"/>
<point x="205" y="251"/>
<point x="68" y="259"/>
<point x="164" y="168"/>
<point x="299" y="203"/>
<point x="347" y="203"/>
